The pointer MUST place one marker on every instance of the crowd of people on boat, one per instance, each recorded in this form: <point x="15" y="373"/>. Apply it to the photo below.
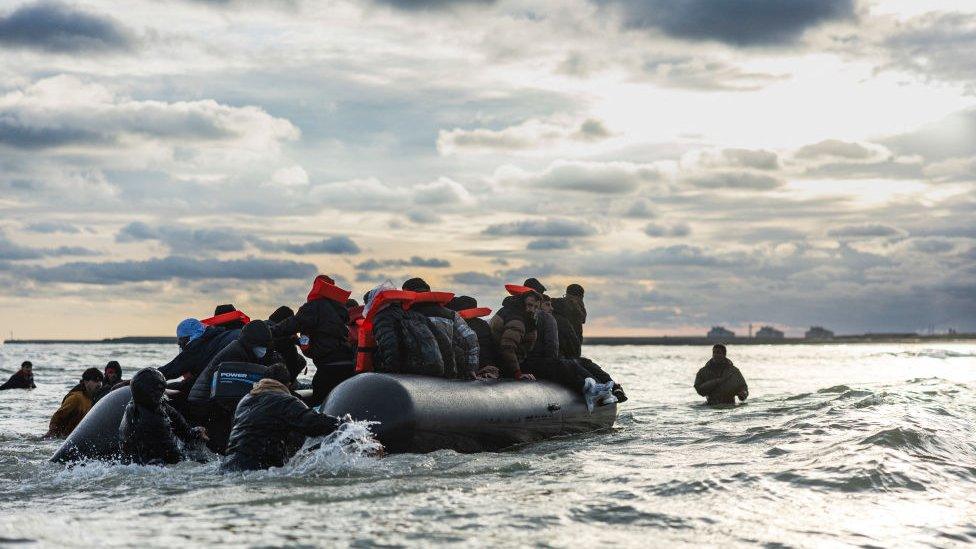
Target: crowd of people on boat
<point x="406" y="330"/>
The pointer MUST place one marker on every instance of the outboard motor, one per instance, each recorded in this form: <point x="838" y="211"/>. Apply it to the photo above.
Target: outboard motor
<point x="233" y="380"/>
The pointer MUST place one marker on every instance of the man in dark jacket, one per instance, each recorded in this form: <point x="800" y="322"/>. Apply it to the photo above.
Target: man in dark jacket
<point x="720" y="381"/>
<point x="513" y="331"/>
<point x="324" y="319"/>
<point x="462" y="340"/>
<point x="287" y="345"/>
<point x="150" y="427"/>
<point x="22" y="378"/>
<point x="467" y="308"/>
<point x="570" y="345"/>
<point x="572" y="308"/>
<point x="198" y="345"/>
<point x="253" y="347"/>
<point x="270" y="425"/>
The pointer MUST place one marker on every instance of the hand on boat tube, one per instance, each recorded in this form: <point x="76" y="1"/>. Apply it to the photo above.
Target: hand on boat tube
<point x="200" y="433"/>
<point x="523" y="377"/>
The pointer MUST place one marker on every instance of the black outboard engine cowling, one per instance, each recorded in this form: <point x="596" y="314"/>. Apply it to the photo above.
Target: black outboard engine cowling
<point x="233" y="380"/>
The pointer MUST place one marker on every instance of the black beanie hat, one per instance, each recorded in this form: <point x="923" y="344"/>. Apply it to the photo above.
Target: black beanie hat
<point x="350" y="303"/>
<point x="281" y="313"/>
<point x="256" y="334"/>
<point x="226" y="308"/>
<point x="461" y="303"/>
<point x="416" y="285"/>
<point x="92" y="374"/>
<point x="535" y="285"/>
<point x="574" y="289"/>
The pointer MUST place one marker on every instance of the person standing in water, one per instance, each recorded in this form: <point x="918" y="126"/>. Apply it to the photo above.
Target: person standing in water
<point x="720" y="381"/>
<point x="75" y="404"/>
<point x="22" y="378"/>
<point x="112" y="377"/>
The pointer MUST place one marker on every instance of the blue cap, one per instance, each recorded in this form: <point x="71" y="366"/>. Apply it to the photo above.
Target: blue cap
<point x="190" y="328"/>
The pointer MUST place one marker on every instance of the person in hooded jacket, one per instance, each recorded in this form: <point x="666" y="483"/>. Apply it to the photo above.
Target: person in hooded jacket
<point x="467" y="308"/>
<point x="565" y="342"/>
<point x="22" y="378"/>
<point x="324" y="319"/>
<point x="270" y="425"/>
<point x="112" y="379"/>
<point x="463" y="340"/>
<point x="151" y="428"/>
<point x="719" y="380"/>
<point x="287" y="345"/>
<point x="75" y="405"/>
<point x="572" y="308"/>
<point x="199" y="344"/>
<point x="253" y="347"/>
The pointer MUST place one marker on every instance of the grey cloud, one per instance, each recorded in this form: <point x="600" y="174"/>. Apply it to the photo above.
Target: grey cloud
<point x="835" y="148"/>
<point x="422" y="217"/>
<point x="953" y="136"/>
<point x="475" y="278"/>
<point x="536" y="227"/>
<point x="19" y="134"/>
<point x="592" y="130"/>
<point x="696" y="73"/>
<point x="599" y="178"/>
<point x="657" y="230"/>
<point x="183" y="239"/>
<point x="48" y="227"/>
<point x="933" y="245"/>
<point x="865" y="230"/>
<point x="11" y="251"/>
<point x="750" y="158"/>
<point x="57" y="27"/>
<point x="336" y="245"/>
<point x="415" y="261"/>
<point x="420" y="5"/>
<point x="936" y="46"/>
<point x="548" y="244"/>
<point x="640" y="209"/>
<point x="735" y="180"/>
<point x="735" y="22"/>
<point x="168" y="268"/>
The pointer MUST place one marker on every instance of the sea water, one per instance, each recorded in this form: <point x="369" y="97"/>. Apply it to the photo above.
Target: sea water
<point x="857" y="445"/>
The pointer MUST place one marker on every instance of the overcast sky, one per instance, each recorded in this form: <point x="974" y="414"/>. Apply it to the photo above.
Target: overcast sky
<point x="691" y="163"/>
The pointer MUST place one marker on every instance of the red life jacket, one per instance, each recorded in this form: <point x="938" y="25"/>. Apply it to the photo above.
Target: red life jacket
<point x="366" y="343"/>
<point x="516" y="289"/>
<point x="324" y="288"/>
<point x="474" y="313"/>
<point x="225" y="318"/>
<point x="441" y="298"/>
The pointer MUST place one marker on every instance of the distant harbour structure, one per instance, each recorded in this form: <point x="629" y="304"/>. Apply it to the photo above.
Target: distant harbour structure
<point x="818" y="332"/>
<point x="768" y="332"/>
<point x="719" y="332"/>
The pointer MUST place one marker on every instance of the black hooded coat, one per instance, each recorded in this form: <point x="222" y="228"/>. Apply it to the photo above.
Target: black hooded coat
<point x="150" y="427"/>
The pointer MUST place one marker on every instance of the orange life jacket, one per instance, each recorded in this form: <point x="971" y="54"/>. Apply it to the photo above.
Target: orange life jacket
<point x="225" y="318"/>
<point x="475" y="312"/>
<point x="324" y="288"/>
<point x="517" y="289"/>
<point x="366" y="342"/>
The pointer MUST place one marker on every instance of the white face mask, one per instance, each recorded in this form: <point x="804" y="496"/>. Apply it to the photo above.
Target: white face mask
<point x="260" y="351"/>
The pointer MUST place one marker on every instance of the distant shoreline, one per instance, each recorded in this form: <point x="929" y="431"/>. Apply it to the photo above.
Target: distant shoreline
<point x="612" y="341"/>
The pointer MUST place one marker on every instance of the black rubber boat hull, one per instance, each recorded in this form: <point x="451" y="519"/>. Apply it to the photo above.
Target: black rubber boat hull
<point x="97" y="436"/>
<point x="423" y="414"/>
<point x="414" y="414"/>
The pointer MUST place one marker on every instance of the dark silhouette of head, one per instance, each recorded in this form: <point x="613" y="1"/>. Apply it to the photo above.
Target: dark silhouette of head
<point x="416" y="284"/>
<point x="718" y="351"/>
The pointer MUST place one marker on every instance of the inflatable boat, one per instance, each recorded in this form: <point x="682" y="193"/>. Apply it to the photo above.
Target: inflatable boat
<point x="412" y="413"/>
